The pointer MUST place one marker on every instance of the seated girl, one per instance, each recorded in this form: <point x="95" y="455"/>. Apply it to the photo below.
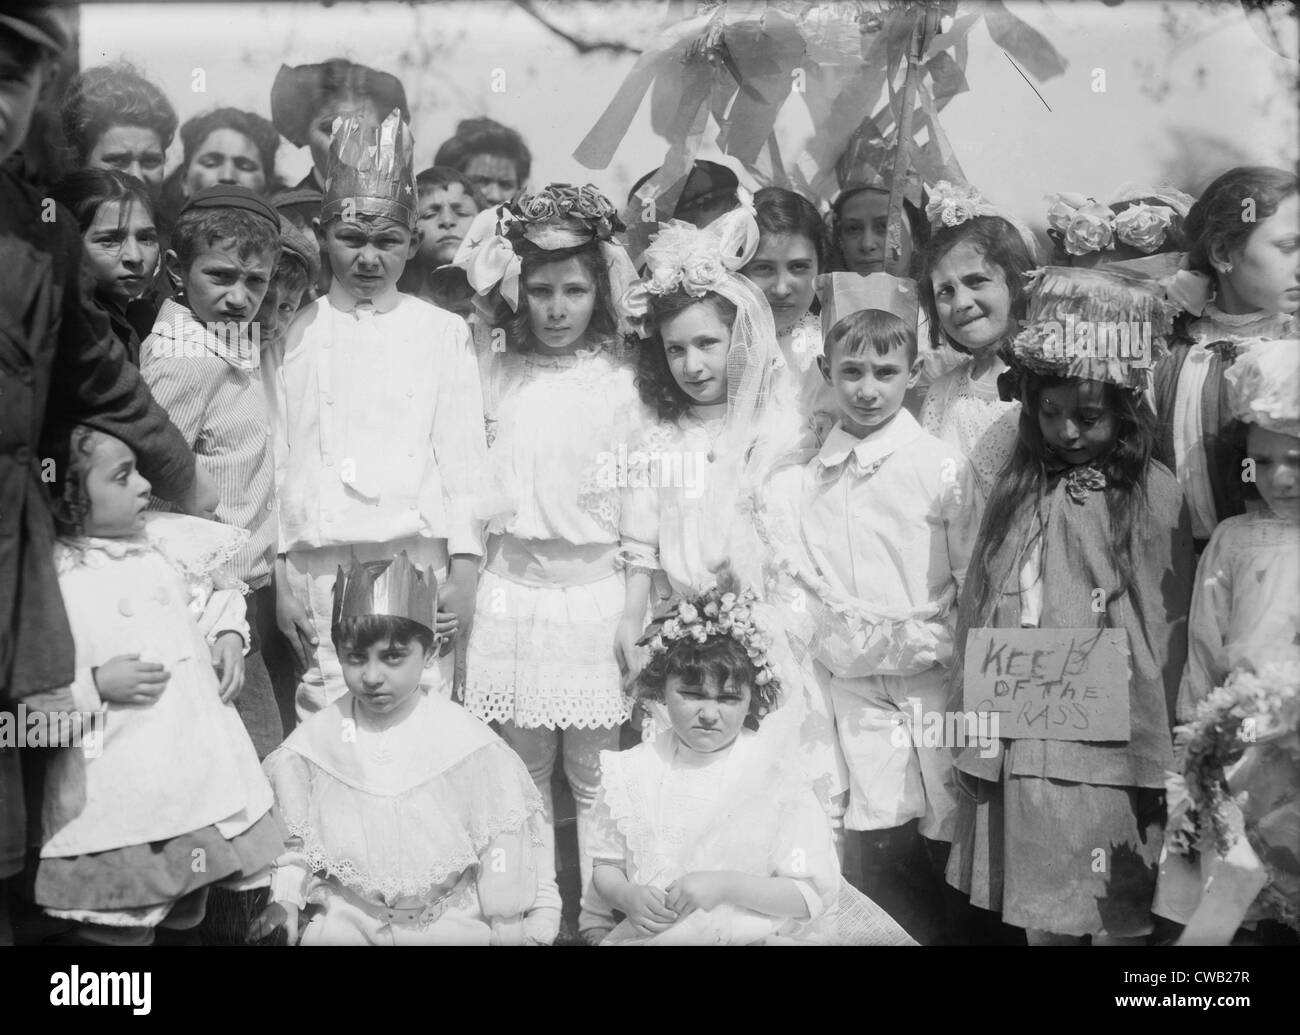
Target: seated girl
<point x="171" y="800"/>
<point x="711" y="834"/>
<point x="411" y="822"/>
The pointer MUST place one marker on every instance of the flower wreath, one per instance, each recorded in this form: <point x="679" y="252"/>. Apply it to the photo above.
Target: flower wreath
<point x="1248" y="709"/>
<point x="952" y="204"/>
<point x="722" y="610"/>
<point x="1082" y="225"/>
<point x="562" y="203"/>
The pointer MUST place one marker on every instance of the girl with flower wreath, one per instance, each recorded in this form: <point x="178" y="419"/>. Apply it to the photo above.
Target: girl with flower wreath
<point x="972" y="286"/>
<point x="711" y="368"/>
<point x="1246" y="609"/>
<point x="711" y="834"/>
<point x="561" y="407"/>
<point x="1244" y="235"/>
<point x="1084" y="530"/>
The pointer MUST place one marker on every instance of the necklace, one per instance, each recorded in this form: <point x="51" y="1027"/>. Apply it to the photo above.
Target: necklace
<point x="704" y="423"/>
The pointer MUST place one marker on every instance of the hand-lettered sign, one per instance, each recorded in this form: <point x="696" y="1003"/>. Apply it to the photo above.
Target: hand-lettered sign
<point x="1050" y="684"/>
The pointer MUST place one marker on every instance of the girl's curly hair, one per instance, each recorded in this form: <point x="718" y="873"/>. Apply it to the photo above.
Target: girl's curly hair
<point x="719" y="661"/>
<point x="71" y="503"/>
<point x="654" y="381"/>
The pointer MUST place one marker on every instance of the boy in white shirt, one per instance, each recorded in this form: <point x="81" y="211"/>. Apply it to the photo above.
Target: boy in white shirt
<point x="378" y="416"/>
<point x="887" y="515"/>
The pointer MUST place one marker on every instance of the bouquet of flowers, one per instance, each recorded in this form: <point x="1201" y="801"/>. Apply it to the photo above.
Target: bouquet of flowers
<point x="1239" y="776"/>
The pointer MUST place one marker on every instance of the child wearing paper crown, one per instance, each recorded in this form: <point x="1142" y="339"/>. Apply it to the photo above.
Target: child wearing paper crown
<point x="411" y="822"/>
<point x="873" y="534"/>
<point x="377" y="413"/>
<point x="175" y="777"/>
<point x="711" y="834"/>
<point x="1083" y="531"/>
<point x="1246" y="607"/>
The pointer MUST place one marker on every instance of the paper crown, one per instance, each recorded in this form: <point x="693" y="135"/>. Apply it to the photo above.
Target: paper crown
<point x="1098" y="324"/>
<point x="843" y="294"/>
<point x="370" y="171"/>
<point x="395" y="588"/>
<point x="1264" y="385"/>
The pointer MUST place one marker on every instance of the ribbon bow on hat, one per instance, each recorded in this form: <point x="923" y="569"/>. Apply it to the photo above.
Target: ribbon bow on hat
<point x="696" y="260"/>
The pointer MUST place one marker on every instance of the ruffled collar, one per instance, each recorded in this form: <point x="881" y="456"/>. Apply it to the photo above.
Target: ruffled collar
<point x="562" y="360"/>
<point x="86" y="551"/>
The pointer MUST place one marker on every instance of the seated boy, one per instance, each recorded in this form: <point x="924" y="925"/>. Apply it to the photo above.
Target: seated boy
<point x="378" y="417"/>
<point x="887" y="522"/>
<point x="414" y="823"/>
<point x="203" y="364"/>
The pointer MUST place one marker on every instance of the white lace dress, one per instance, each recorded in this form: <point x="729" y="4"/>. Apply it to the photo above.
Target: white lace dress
<point x="969" y="415"/>
<point x="541" y="653"/>
<point x="425" y="832"/>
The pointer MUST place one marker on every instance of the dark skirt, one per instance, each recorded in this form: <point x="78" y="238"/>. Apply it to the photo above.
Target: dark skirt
<point x="140" y="876"/>
<point x="1069" y="858"/>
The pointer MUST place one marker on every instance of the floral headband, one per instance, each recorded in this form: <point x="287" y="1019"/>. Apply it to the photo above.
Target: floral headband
<point x="713" y="614"/>
<point x="696" y="260"/>
<point x="1082" y="225"/>
<point x="952" y="204"/>
<point x="556" y="217"/>
<point x="1264" y="385"/>
<point x="563" y="216"/>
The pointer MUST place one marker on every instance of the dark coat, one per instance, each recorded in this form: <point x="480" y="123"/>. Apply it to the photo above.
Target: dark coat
<point x="59" y="366"/>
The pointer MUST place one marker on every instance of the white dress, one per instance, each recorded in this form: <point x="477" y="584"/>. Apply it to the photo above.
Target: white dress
<point x="541" y="652"/>
<point x="665" y="811"/>
<point x="969" y="415"/>
<point x="423" y="833"/>
<point x="184" y="762"/>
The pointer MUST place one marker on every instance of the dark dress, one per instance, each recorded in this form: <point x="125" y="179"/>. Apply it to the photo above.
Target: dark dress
<point x="1063" y="835"/>
<point x="60" y="365"/>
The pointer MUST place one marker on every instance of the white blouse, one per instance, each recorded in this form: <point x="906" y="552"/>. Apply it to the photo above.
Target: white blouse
<point x="969" y="415"/>
<point x="562" y="428"/>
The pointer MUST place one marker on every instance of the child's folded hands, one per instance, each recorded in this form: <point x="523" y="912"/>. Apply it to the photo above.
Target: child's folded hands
<point x="703" y="889"/>
<point x="646" y="909"/>
<point x="126" y="679"/>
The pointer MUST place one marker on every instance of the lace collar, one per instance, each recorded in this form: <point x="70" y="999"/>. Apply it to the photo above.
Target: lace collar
<point x="562" y="360"/>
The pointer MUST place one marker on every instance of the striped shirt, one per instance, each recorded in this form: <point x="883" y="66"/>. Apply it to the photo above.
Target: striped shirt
<point x="210" y="384"/>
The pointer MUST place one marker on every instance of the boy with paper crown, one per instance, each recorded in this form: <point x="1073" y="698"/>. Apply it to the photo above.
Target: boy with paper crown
<point x="884" y="522"/>
<point x="412" y="823"/>
<point x="378" y="415"/>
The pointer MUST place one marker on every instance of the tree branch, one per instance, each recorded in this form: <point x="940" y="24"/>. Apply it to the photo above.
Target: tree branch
<point x="581" y="46"/>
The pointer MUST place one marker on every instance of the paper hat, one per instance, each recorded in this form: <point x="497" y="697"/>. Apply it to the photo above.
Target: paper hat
<point x="395" y="588"/>
<point x="370" y="171"/>
<point x="1098" y="324"/>
<point x="843" y="294"/>
<point x="302" y="93"/>
<point x="1264" y="385"/>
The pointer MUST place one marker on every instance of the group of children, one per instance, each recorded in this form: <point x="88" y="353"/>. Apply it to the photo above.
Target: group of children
<point x="750" y="505"/>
